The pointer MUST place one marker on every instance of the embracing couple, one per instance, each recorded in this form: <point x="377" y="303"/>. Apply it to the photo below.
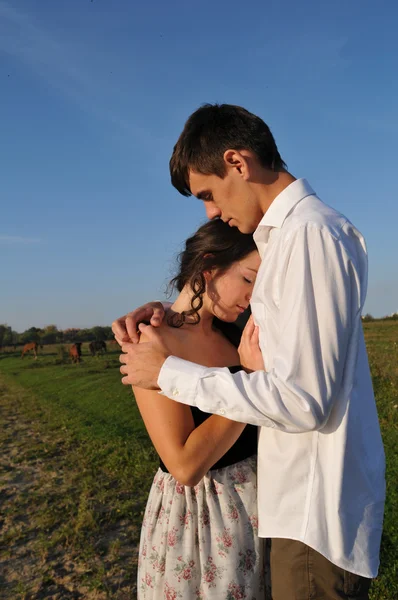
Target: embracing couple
<point x="271" y="478"/>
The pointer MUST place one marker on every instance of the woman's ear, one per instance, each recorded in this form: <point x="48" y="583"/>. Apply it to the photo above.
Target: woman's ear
<point x="208" y="275"/>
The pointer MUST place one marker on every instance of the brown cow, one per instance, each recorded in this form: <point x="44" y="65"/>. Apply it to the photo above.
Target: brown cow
<point x="28" y="347"/>
<point x="76" y="352"/>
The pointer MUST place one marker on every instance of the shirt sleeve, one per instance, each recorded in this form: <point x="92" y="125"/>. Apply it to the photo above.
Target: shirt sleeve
<point x="320" y="300"/>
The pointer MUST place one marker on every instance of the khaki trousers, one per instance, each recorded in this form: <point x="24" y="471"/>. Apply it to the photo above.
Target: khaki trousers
<point x="297" y="572"/>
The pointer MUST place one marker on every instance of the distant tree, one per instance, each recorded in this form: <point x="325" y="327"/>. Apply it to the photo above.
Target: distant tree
<point x="3" y="329"/>
<point x="85" y="335"/>
<point x="15" y="337"/>
<point x="393" y="317"/>
<point x="49" y="335"/>
<point x="48" y="338"/>
<point x="32" y="334"/>
<point x="108" y="333"/>
<point x="9" y="336"/>
<point x="71" y="334"/>
<point x="101" y="333"/>
<point x="6" y="335"/>
<point x="368" y="317"/>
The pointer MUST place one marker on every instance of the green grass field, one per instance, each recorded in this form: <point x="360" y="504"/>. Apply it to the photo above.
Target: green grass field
<point x="78" y="464"/>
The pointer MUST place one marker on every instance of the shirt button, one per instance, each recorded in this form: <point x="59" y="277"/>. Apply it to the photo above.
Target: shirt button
<point x="222" y="412"/>
<point x="175" y="392"/>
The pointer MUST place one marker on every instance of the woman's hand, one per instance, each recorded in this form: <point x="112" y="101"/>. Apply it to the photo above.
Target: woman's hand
<point x="142" y="362"/>
<point x="250" y="355"/>
<point x="125" y="329"/>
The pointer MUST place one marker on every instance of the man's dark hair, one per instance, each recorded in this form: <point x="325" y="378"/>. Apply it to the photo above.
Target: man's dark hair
<point x="209" y="132"/>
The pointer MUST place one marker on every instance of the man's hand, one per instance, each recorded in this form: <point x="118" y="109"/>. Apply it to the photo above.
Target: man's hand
<point x="142" y="362"/>
<point x="249" y="349"/>
<point x="125" y="329"/>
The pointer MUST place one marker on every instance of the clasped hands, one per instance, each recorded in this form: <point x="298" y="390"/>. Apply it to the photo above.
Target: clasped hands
<point x="142" y="362"/>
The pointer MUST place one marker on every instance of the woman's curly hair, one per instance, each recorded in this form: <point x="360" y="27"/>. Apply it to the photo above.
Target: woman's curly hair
<point x="215" y="245"/>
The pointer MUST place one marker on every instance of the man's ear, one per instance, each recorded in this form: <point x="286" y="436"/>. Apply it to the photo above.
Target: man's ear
<point x="236" y="160"/>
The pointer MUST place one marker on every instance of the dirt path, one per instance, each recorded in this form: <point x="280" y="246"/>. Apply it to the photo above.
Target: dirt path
<point x="36" y="488"/>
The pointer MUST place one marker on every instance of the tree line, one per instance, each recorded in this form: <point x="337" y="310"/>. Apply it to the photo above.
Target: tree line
<point x="369" y="317"/>
<point x="50" y="334"/>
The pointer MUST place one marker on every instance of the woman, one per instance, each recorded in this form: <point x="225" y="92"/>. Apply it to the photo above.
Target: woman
<point x="199" y="534"/>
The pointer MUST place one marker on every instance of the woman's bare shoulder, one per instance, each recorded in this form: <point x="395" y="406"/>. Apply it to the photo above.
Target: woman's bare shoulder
<point x="171" y="335"/>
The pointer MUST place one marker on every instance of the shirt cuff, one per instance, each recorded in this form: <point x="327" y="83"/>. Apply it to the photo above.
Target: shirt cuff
<point x="178" y="379"/>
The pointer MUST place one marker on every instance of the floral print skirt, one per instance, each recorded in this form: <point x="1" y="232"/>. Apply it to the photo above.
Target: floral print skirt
<point x="201" y="542"/>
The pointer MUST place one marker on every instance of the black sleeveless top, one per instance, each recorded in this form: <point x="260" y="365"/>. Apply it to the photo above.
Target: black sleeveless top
<point x="246" y="444"/>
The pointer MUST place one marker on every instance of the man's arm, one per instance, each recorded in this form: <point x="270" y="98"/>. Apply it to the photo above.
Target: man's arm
<point x="322" y="293"/>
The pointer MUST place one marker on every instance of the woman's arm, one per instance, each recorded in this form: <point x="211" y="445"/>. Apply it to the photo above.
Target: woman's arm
<point x="188" y="453"/>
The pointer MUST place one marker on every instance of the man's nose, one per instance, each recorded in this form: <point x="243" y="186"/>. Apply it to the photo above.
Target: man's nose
<point x="212" y="211"/>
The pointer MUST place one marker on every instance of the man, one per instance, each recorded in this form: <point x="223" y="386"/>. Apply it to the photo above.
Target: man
<point x="320" y="455"/>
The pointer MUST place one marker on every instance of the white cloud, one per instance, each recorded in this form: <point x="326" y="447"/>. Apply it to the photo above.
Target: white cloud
<point x="17" y="239"/>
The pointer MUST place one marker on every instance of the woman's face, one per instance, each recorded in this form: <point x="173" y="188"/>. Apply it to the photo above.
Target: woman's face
<point x="229" y="293"/>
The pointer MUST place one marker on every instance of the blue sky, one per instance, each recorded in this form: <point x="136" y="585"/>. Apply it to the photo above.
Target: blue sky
<point x="93" y="95"/>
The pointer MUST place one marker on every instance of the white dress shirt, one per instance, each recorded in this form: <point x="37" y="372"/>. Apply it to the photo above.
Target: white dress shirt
<point x="320" y="454"/>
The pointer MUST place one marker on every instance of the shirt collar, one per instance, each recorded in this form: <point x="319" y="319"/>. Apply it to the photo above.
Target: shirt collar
<point x="284" y="203"/>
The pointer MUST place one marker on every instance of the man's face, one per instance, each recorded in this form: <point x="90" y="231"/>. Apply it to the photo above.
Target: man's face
<point x="230" y="199"/>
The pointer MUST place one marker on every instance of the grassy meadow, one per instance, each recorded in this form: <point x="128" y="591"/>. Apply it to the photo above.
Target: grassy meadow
<point x="76" y="466"/>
